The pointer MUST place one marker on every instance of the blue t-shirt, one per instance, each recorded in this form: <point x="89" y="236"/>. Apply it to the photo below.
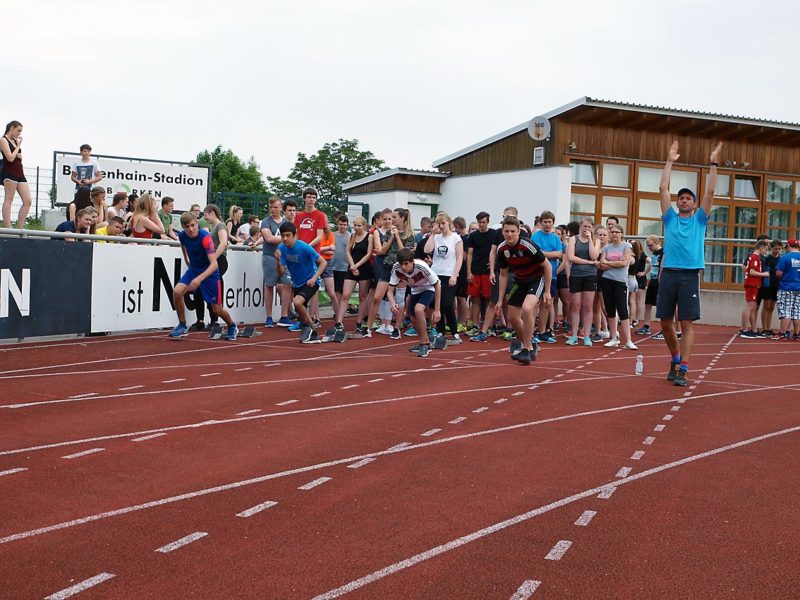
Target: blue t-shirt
<point x="683" y="240"/>
<point x="301" y="260"/>
<point x="549" y="242"/>
<point x="789" y="265"/>
<point x="197" y="249"/>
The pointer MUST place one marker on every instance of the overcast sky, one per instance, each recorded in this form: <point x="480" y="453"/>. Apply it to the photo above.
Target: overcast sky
<point x="411" y="80"/>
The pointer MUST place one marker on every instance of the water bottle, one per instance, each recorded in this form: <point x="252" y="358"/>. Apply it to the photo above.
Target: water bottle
<point x="639" y="364"/>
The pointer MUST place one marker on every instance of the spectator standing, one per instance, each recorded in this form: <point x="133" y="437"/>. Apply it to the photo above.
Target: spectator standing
<point x="272" y="279"/>
<point x="425" y="224"/>
<point x="788" y="270"/>
<point x="615" y="258"/>
<point x="85" y="171"/>
<point x="636" y="283"/>
<point x="769" y="291"/>
<point x="220" y="239"/>
<point x="754" y="277"/>
<point x="447" y="249"/>
<point x="311" y="227"/>
<point x="340" y="266"/>
<point x="165" y="216"/>
<point x="583" y="253"/>
<point x="653" y="244"/>
<point x="479" y="285"/>
<point x="13" y="175"/>
<point x="82" y="199"/>
<point x="551" y="246"/>
<point x="233" y="223"/>
<point x="359" y="254"/>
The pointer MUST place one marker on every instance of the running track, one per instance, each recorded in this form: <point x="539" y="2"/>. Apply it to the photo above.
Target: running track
<point x="142" y="467"/>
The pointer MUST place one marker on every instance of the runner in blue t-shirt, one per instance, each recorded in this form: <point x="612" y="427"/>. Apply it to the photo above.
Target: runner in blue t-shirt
<point x="198" y="253"/>
<point x="684" y="258"/>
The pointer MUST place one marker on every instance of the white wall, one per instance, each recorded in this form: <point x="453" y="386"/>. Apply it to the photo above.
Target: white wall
<point x="531" y="191"/>
<point x="396" y="199"/>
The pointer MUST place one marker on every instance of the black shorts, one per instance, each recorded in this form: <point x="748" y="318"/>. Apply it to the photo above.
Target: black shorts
<point x="364" y="273"/>
<point x="582" y="284"/>
<point x="461" y="287"/>
<point x="522" y="289"/>
<point x="641" y="281"/>
<point x="425" y="298"/>
<point x="386" y="272"/>
<point x="651" y="295"/>
<point x="305" y="291"/>
<point x="767" y="293"/>
<point x="679" y="288"/>
<point x="5" y="176"/>
<point x="338" y="280"/>
<point x="561" y="281"/>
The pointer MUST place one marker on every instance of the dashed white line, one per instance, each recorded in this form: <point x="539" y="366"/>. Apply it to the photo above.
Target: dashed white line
<point x="624" y="472"/>
<point x="286" y="402"/>
<point x="360" y="463"/>
<point x="209" y="374"/>
<point x="172" y="546"/>
<point x="430" y="432"/>
<point x="12" y="471"/>
<point x="481" y="409"/>
<point x="174" y="380"/>
<point x="248" y="412"/>
<point x="526" y="590"/>
<point x="648" y="441"/>
<point x="256" y="509"/>
<point x="319" y="394"/>
<point x="559" y="550"/>
<point x="375" y="380"/>
<point x="79" y="587"/>
<point x="84" y="453"/>
<point x="675" y="408"/>
<point x="559" y="375"/>
<point x="692" y="387"/>
<point x="659" y="428"/>
<point x="501" y="400"/>
<point x="637" y="455"/>
<point x="350" y="387"/>
<point x="148" y="437"/>
<point x="132" y="387"/>
<point x="517" y="393"/>
<point x="457" y="420"/>
<point x="88" y="395"/>
<point x="667" y="417"/>
<point x="243" y="369"/>
<point x="437" y="366"/>
<point x="579" y="367"/>
<point x="312" y="484"/>
<point x="585" y="518"/>
<point x="606" y="493"/>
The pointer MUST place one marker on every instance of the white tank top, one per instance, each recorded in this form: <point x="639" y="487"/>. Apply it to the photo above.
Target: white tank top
<point x="444" y="254"/>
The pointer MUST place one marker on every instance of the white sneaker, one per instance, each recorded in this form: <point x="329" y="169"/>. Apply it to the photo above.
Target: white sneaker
<point x="384" y="329"/>
<point x="612" y="343"/>
<point x="455" y="341"/>
<point x="604" y="335"/>
<point x="631" y="346"/>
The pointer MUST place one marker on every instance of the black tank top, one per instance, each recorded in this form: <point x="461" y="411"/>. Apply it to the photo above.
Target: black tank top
<point x="359" y="249"/>
<point x="14" y="168"/>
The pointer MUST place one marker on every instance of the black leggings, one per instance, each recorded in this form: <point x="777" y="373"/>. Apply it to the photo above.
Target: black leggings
<point x="615" y="297"/>
<point x="447" y="306"/>
<point x="222" y="265"/>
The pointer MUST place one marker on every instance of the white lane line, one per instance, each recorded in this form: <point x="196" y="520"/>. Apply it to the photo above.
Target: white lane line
<point x="84" y="453"/>
<point x="692" y="387"/>
<point x="319" y="394"/>
<point x="312" y="484"/>
<point x="172" y="546"/>
<point x="90" y="394"/>
<point x="256" y="509"/>
<point x="580" y="367"/>
<point x="457" y="420"/>
<point x="248" y="412"/>
<point x="350" y="387"/>
<point x="12" y="471"/>
<point x="209" y="374"/>
<point x="399" y="446"/>
<point x="399" y="375"/>
<point x="585" y="518"/>
<point x="437" y="366"/>
<point x="559" y="375"/>
<point x="174" y="380"/>
<point x="430" y="432"/>
<point x="243" y="369"/>
<point x="675" y="408"/>
<point x="79" y="587"/>
<point x="526" y="590"/>
<point x="606" y="493"/>
<point x="517" y="393"/>
<point x="637" y="455"/>
<point x="501" y="400"/>
<point x="687" y="394"/>
<point x="559" y="550"/>
<point x="667" y="418"/>
<point x="375" y="380"/>
<point x="648" y="441"/>
<point x="624" y="472"/>
<point x="132" y="387"/>
<point x="286" y="402"/>
<point x="361" y="463"/>
<point x="481" y="409"/>
<point x="148" y="437"/>
<point x="659" y="428"/>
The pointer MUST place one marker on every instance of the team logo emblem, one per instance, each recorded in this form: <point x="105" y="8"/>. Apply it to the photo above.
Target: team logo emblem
<point x="508" y="254"/>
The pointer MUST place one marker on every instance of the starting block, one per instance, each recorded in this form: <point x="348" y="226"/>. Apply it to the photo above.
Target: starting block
<point x="334" y="335"/>
<point x="248" y="332"/>
<point x="215" y="332"/>
<point x="354" y="336"/>
<point x="439" y="343"/>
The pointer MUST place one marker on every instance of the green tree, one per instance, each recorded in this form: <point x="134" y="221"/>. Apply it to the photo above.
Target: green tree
<point x="327" y="170"/>
<point x="230" y="173"/>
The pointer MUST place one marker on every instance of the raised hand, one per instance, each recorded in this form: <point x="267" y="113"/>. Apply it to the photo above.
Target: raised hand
<point x="715" y="153"/>
<point x="673" y="152"/>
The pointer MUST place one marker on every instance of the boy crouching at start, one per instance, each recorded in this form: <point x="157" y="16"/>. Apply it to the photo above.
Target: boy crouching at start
<point x="198" y="252"/>
<point x="426" y="292"/>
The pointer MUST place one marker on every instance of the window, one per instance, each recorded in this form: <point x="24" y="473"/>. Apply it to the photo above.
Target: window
<point x="723" y="187"/>
<point x="650" y="217"/>
<point x="779" y="191"/>
<point x="584" y="173"/>
<point x="778" y="224"/>
<point x="745" y="187"/>
<point x="649" y="179"/>
<point x="615" y="175"/>
<point x="716" y="252"/>
<point x="583" y="204"/>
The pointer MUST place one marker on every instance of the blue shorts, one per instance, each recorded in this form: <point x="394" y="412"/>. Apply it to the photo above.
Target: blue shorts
<point x="425" y="298"/>
<point x="210" y="287"/>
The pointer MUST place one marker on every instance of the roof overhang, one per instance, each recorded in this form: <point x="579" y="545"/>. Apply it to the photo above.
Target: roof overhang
<point x="391" y="172"/>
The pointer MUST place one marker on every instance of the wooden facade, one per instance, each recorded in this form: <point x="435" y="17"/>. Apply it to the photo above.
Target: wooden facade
<point x="426" y="184"/>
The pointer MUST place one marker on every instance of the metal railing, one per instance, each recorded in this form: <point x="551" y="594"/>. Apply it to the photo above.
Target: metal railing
<point x="41" y="183"/>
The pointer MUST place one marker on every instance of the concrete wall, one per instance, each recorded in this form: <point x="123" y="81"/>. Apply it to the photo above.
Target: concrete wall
<point x="724" y="307"/>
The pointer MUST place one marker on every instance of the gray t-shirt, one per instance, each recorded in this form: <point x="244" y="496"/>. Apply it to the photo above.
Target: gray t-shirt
<point x="339" y="262"/>
<point x="215" y="236"/>
<point x="616" y="252"/>
<point x="273" y="226"/>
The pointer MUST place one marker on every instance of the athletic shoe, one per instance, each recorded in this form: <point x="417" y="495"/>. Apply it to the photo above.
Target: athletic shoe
<point x="269" y="323"/>
<point x="587" y="341"/>
<point x="305" y="333"/>
<point x="680" y="379"/>
<point x="679" y="334"/>
<point x="375" y="324"/>
<point x="786" y="337"/>
<point x="595" y="337"/>
<point x="406" y="323"/>
<point x="454" y="341"/>
<point x="548" y="337"/>
<point x="659" y="336"/>
<point x="573" y="340"/>
<point x="776" y="336"/>
<point x="395" y="334"/>
<point x="415" y="348"/>
<point x="612" y="343"/>
<point x="605" y="335"/>
<point x="509" y="335"/>
<point x="480" y="337"/>
<point x="198" y="326"/>
<point x="339" y="327"/>
<point x="557" y="326"/>
<point x="317" y="323"/>
<point x="673" y="370"/>
<point x="461" y="328"/>
<point x="411" y="332"/>
<point x="524" y="357"/>
<point x="766" y="333"/>
<point x="631" y="346"/>
<point x="295" y="326"/>
<point x="424" y="350"/>
<point x="643" y="330"/>
<point x="180" y="331"/>
<point x="748" y="334"/>
<point x="634" y="323"/>
<point x="516" y="353"/>
<point x="473" y="331"/>
<point x="565" y="325"/>
<point x="312" y="339"/>
<point x="284" y="322"/>
<point x="367" y="332"/>
<point x="384" y="330"/>
<point x="233" y="331"/>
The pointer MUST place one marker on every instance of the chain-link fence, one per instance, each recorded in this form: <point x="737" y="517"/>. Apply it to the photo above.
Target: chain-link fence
<point x="41" y="184"/>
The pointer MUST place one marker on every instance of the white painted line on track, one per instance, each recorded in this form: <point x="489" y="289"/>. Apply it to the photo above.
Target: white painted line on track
<point x="648" y="441"/>
<point x="312" y="484"/>
<point x="12" y="471"/>
<point x="243" y="369"/>
<point x="692" y="387"/>
<point x="675" y="408"/>
<point x="606" y="493"/>
<point x="518" y="393"/>
<point x="559" y="375"/>
<point x="131" y="387"/>
<point x="89" y="395"/>
<point x="585" y="518"/>
<point x="430" y="432"/>
<point x="457" y="420"/>
<point x="148" y="437"/>
<point x="256" y="509"/>
<point x="437" y="366"/>
<point x="659" y="428"/>
<point x="399" y="375"/>
<point x="361" y="463"/>
<point x="286" y="402"/>
<point x="501" y="400"/>
<point x="248" y="412"/>
<point x="667" y="417"/>
<point x="637" y="455"/>
<point x="559" y="550"/>
<point x="174" y="380"/>
<point x="209" y="374"/>
<point x="624" y="472"/>
<point x="319" y="394"/>
<point x="350" y="387"/>
<point x="84" y="453"/>
<point x="375" y="380"/>
<point x="526" y="590"/>
<point x="481" y="409"/>
<point x="172" y="546"/>
<point x="79" y="587"/>
<point x="399" y="446"/>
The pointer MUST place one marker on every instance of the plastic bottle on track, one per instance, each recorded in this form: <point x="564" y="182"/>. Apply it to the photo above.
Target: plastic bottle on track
<point x="639" y="370"/>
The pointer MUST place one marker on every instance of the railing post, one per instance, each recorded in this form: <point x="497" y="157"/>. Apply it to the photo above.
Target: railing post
<point x="37" y="193"/>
